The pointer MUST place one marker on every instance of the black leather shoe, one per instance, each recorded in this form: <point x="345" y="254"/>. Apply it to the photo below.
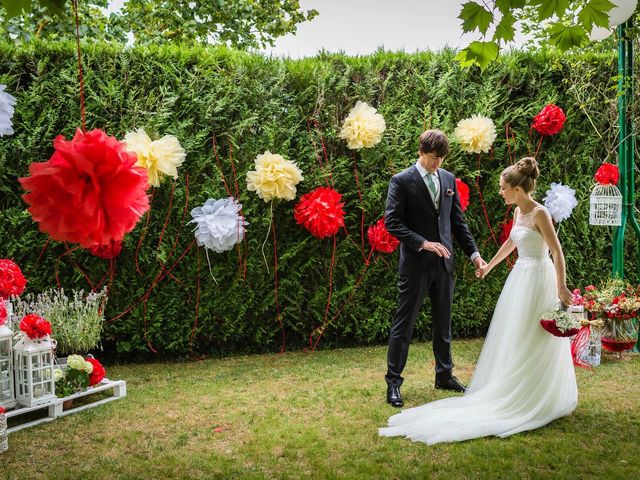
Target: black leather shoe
<point x="450" y="383"/>
<point x="394" y="398"/>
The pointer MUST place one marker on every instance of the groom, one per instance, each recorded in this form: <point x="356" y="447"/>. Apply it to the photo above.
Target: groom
<point x="423" y="212"/>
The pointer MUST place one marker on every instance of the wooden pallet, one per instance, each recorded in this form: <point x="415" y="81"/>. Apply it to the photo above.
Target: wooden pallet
<point x="55" y="407"/>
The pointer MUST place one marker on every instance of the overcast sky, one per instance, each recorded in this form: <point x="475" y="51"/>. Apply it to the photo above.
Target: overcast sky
<point x="361" y="26"/>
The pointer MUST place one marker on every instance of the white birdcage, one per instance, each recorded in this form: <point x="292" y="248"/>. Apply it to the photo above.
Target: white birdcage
<point x="33" y="366"/>
<point x="7" y="394"/>
<point x="605" y="206"/>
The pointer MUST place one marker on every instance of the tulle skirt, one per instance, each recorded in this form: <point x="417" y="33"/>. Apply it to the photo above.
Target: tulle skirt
<point x="524" y="378"/>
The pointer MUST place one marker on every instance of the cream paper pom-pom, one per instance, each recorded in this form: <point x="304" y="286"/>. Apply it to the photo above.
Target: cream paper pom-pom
<point x="159" y="157"/>
<point x="274" y="177"/>
<point x="475" y="134"/>
<point x="363" y="127"/>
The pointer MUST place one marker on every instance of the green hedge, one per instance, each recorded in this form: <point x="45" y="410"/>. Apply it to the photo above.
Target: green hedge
<point x="252" y="104"/>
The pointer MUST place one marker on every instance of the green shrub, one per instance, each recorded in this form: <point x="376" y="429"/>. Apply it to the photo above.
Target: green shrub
<point x="251" y="104"/>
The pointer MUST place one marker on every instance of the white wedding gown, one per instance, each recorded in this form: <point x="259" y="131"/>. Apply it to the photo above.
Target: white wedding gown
<point x="524" y="378"/>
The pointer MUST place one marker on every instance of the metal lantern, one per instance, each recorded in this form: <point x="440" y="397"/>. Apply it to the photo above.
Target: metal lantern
<point x="7" y="395"/>
<point x="605" y="206"/>
<point x="33" y="366"/>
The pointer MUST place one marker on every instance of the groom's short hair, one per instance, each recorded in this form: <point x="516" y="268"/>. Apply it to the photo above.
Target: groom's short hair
<point x="434" y="141"/>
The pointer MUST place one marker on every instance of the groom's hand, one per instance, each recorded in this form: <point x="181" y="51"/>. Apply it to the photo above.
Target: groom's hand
<point x="436" y="248"/>
<point x="479" y="262"/>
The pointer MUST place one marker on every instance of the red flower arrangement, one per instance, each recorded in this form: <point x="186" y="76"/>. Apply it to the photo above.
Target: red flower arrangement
<point x="98" y="372"/>
<point x="550" y="120"/>
<point x="3" y="313"/>
<point x="89" y="192"/>
<point x="320" y="211"/>
<point x="12" y="282"/>
<point x="380" y="239"/>
<point x="35" y="326"/>
<point x="107" y="251"/>
<point x="463" y="193"/>
<point x="607" y="174"/>
<point x="506" y="230"/>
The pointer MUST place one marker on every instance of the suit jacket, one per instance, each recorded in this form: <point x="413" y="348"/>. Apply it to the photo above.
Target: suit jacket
<point x="411" y="216"/>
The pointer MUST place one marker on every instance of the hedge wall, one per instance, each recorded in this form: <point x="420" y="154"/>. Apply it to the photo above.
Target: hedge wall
<point x="251" y="104"/>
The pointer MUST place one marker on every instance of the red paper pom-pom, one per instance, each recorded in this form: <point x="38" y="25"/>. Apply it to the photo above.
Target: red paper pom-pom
<point x="98" y="372"/>
<point x="35" y="326"/>
<point x="2" y="410"/>
<point x="607" y="174"/>
<point x="380" y="239"/>
<point x="108" y="251"/>
<point x="551" y="327"/>
<point x="463" y="193"/>
<point x="550" y="120"/>
<point x="506" y="231"/>
<point x="12" y="282"/>
<point x="320" y="211"/>
<point x="3" y="313"/>
<point x="89" y="192"/>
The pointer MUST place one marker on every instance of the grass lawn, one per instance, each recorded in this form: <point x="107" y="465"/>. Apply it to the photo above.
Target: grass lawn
<point x="315" y="415"/>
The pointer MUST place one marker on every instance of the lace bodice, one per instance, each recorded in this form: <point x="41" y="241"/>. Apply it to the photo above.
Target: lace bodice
<point x="527" y="237"/>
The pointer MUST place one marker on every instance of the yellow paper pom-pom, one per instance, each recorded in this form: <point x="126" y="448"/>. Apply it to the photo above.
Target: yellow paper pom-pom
<point x="159" y="157"/>
<point x="475" y="134"/>
<point x="274" y="177"/>
<point x="363" y="127"/>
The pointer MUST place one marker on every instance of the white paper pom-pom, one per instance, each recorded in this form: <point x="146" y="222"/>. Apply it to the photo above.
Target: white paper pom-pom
<point x="219" y="224"/>
<point x="560" y="200"/>
<point x="6" y="112"/>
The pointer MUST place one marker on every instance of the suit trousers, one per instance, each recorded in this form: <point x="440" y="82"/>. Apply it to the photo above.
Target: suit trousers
<point x="412" y="289"/>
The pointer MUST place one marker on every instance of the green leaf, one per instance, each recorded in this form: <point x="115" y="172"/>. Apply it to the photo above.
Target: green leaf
<point x="475" y="16"/>
<point x="478" y="53"/>
<point x="505" y="29"/>
<point x="508" y="5"/>
<point x="16" y="7"/>
<point x="595" y="13"/>
<point x="565" y="37"/>
<point x="56" y="7"/>
<point x="546" y="8"/>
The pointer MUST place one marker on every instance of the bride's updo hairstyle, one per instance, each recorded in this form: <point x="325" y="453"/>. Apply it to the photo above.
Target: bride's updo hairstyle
<point x="522" y="174"/>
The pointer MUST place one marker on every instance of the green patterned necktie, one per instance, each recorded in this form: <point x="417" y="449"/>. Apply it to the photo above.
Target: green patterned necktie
<point x="432" y="188"/>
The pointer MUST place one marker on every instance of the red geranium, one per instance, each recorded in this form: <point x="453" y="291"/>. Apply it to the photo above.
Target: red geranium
<point x="506" y="231"/>
<point x="320" y="211"/>
<point x="89" y="192"/>
<point x="98" y="372"/>
<point x="12" y="282"/>
<point x="35" y="326"/>
<point x="550" y="120"/>
<point x="107" y="251"/>
<point x="463" y="193"/>
<point x="380" y="239"/>
<point x="3" y="313"/>
<point x="607" y="174"/>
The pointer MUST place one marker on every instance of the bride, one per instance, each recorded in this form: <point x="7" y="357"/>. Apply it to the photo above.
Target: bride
<point x="524" y="378"/>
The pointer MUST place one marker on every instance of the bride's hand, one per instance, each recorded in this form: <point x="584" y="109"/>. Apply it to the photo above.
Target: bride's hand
<point x="565" y="295"/>
<point x="482" y="272"/>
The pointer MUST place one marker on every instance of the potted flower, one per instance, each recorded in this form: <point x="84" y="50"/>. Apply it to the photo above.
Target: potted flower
<point x="617" y="303"/>
<point x="78" y="374"/>
<point x="76" y="321"/>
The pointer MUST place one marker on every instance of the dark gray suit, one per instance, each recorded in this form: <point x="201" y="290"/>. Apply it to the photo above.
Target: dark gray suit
<point x="411" y="216"/>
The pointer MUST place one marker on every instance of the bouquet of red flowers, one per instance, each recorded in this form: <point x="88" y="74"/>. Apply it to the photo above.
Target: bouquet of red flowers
<point x="561" y="323"/>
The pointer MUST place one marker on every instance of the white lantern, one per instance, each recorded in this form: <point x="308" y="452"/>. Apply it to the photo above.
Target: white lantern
<point x="605" y="206"/>
<point x="7" y="395"/>
<point x="33" y="366"/>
